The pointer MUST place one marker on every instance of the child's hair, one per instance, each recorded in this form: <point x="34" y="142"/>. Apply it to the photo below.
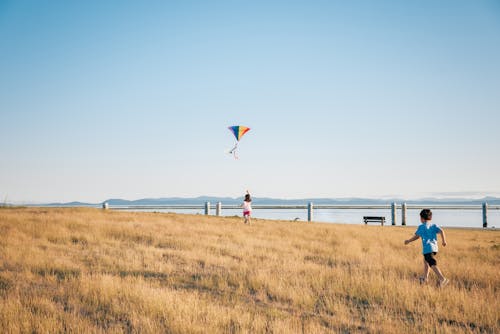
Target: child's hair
<point x="426" y="214"/>
<point x="247" y="198"/>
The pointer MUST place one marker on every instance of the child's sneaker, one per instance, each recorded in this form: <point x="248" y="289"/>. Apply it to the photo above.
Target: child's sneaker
<point x="422" y="280"/>
<point x="444" y="282"/>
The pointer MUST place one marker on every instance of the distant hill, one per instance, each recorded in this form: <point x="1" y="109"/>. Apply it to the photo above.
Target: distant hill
<point x="276" y="201"/>
<point x="67" y="204"/>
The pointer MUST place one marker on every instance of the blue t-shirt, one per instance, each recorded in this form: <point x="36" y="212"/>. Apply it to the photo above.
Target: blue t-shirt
<point x="428" y="233"/>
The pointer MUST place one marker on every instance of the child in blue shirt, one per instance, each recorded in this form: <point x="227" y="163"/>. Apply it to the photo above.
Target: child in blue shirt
<point x="428" y="233"/>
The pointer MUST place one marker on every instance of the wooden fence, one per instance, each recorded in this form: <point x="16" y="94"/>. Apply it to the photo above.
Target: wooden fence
<point x="310" y="207"/>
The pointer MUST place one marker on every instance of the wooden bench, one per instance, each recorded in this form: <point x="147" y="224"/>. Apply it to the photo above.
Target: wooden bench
<point x="374" y="219"/>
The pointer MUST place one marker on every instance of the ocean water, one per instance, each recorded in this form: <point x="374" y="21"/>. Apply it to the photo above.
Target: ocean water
<point x="442" y="217"/>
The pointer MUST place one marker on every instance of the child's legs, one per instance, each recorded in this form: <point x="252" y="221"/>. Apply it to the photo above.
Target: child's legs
<point x="426" y="270"/>
<point x="246" y="215"/>
<point x="438" y="272"/>
<point x="432" y="263"/>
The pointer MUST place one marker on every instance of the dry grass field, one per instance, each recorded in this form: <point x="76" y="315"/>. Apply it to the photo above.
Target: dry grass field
<point x="95" y="271"/>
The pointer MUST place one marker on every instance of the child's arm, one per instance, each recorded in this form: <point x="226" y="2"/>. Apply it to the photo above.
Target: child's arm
<point x="415" y="237"/>
<point x="443" y="237"/>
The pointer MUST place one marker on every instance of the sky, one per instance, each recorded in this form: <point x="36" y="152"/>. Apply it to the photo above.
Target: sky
<point x="132" y="99"/>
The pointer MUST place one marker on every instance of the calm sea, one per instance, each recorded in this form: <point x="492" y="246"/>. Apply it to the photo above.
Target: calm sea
<point x="446" y="218"/>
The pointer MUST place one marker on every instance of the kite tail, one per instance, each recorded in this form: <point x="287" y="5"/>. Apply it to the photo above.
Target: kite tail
<point x="233" y="151"/>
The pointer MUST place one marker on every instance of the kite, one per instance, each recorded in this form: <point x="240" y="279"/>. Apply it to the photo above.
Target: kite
<point x="238" y="132"/>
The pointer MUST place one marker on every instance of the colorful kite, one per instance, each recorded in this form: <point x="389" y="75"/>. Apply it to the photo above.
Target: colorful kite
<point x="238" y="132"/>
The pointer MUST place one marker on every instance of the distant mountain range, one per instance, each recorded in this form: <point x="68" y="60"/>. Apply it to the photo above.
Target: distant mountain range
<point x="276" y="201"/>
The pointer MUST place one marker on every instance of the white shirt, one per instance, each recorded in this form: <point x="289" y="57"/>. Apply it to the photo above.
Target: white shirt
<point x="247" y="206"/>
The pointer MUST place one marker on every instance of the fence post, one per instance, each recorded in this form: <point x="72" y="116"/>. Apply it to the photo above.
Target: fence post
<point x="310" y="213"/>
<point x="393" y="212"/>
<point x="105" y="205"/>
<point x="207" y="208"/>
<point x="403" y="214"/>
<point x="218" y="209"/>
<point x="485" y="215"/>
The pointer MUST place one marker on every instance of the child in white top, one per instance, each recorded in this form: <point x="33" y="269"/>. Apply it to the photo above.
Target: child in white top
<point x="247" y="208"/>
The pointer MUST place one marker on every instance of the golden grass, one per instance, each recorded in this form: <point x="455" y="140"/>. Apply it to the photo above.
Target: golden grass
<point x="95" y="271"/>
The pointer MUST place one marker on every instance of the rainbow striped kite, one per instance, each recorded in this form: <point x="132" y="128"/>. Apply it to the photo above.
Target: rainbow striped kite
<point x="238" y="132"/>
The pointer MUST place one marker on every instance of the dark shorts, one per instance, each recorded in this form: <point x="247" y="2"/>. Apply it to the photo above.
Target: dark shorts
<point x="429" y="258"/>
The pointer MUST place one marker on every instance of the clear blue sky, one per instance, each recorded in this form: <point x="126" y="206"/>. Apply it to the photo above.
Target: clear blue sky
<point x="102" y="99"/>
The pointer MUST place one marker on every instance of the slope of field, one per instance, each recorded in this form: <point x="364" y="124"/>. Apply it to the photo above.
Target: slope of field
<point x="95" y="271"/>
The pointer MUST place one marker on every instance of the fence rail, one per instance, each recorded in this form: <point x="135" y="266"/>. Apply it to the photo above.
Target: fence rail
<point x="310" y="207"/>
